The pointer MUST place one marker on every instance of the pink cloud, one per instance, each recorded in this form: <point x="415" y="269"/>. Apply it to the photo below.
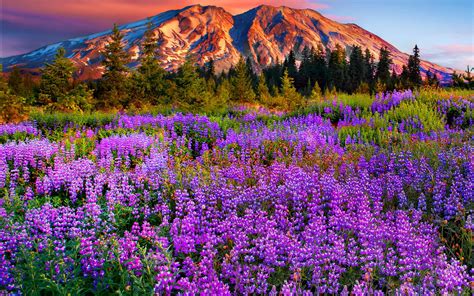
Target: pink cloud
<point x="37" y="20"/>
<point x="451" y="50"/>
<point x="90" y="10"/>
<point x="106" y="12"/>
<point x="457" y="48"/>
<point x="124" y="10"/>
<point x="55" y="20"/>
<point x="243" y="5"/>
<point x="456" y="55"/>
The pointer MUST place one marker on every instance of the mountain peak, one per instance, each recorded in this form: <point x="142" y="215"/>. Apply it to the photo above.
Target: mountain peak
<point x="272" y="7"/>
<point x="283" y="8"/>
<point x="265" y="8"/>
<point x="265" y="33"/>
<point x="200" y="8"/>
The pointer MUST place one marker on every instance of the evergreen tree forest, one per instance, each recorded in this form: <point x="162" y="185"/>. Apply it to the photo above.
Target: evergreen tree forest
<point x="308" y="75"/>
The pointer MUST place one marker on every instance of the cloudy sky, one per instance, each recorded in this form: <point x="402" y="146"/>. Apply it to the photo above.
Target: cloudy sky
<point x="443" y="29"/>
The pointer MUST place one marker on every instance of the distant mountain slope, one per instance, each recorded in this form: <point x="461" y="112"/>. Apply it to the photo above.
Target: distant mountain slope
<point x="265" y="33"/>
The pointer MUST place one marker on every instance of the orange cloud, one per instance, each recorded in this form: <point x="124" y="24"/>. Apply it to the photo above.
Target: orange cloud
<point x="243" y="5"/>
<point x="29" y="24"/>
<point x="122" y="10"/>
<point x="455" y="55"/>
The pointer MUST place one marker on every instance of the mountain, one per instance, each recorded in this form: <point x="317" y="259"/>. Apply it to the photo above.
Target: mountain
<point x="265" y="33"/>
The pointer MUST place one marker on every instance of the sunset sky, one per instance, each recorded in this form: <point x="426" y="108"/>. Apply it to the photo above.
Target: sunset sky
<point x="443" y="29"/>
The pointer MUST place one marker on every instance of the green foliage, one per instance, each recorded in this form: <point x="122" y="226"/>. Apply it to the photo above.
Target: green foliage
<point x="290" y="65"/>
<point x="47" y="121"/>
<point x="13" y="108"/>
<point x="242" y="88"/>
<point x="81" y="98"/>
<point x="319" y="67"/>
<point x="414" y="75"/>
<point x="262" y="90"/>
<point x="191" y="90"/>
<point x="323" y="75"/>
<point x="358" y="100"/>
<point x="432" y="96"/>
<point x="382" y="75"/>
<point x="223" y="94"/>
<point x="356" y="69"/>
<point x="21" y="84"/>
<point x="337" y="68"/>
<point x="316" y="94"/>
<point x="114" y="85"/>
<point x="149" y="83"/>
<point x="290" y="97"/>
<point x="464" y="81"/>
<point x="305" y="69"/>
<point x="369" y="67"/>
<point x="56" y="81"/>
<point x="427" y="116"/>
<point x="15" y="81"/>
<point x="431" y="79"/>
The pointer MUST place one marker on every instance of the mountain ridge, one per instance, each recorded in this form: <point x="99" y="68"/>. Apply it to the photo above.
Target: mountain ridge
<point x="265" y="33"/>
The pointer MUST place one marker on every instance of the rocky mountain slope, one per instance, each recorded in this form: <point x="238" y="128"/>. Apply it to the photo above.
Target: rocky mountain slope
<point x="265" y="33"/>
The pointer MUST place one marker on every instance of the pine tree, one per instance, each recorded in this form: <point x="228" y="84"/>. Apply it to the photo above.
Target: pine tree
<point x="262" y="90"/>
<point x="3" y="83"/>
<point x="12" y="107"/>
<point x="337" y="68"/>
<point x="211" y="85"/>
<point x="369" y="69"/>
<point x="356" y="69"/>
<point x="290" y="64"/>
<point x="30" y="88"/>
<point x="316" y="93"/>
<point x="469" y="78"/>
<point x="81" y="98"/>
<point x="273" y="76"/>
<point x="319" y="67"/>
<point x="15" y="82"/>
<point x="431" y="79"/>
<point x="191" y="89"/>
<point x="56" y="81"/>
<point x="114" y="88"/>
<point x="242" y="88"/>
<point x="209" y="70"/>
<point x="306" y="64"/>
<point x="224" y="92"/>
<point x="414" y="73"/>
<point x="149" y="81"/>
<point x="382" y="74"/>
<point x="405" y="78"/>
<point x="457" y="80"/>
<point x="289" y="94"/>
<point x="394" y="81"/>
<point x="305" y="72"/>
<point x="307" y="90"/>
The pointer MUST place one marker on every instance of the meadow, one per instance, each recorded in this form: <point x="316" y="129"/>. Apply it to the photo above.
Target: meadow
<point x="349" y="195"/>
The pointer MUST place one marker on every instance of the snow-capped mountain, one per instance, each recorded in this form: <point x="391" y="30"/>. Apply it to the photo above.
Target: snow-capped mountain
<point x="265" y="33"/>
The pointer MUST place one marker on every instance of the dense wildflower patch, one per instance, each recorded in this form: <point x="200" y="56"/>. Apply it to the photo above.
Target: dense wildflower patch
<point x="344" y="200"/>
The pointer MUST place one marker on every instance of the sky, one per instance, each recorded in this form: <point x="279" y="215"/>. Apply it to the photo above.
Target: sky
<point x="443" y="29"/>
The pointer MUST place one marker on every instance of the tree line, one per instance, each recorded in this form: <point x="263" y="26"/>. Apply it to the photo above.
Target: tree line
<point x="285" y="85"/>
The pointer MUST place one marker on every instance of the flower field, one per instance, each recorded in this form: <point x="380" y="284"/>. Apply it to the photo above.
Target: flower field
<point x="372" y="197"/>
